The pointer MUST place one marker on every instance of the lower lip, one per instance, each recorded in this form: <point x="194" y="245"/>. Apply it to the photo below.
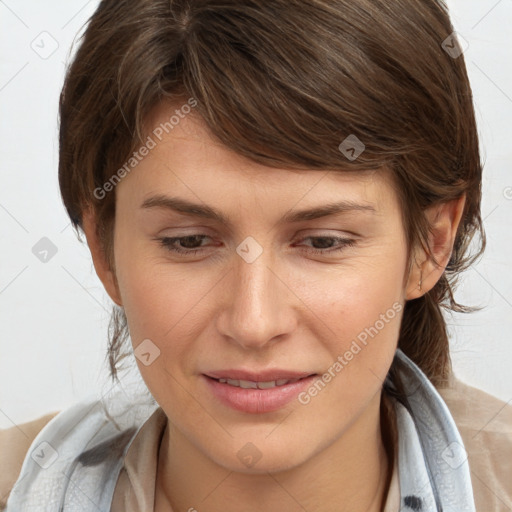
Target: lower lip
<point x="257" y="401"/>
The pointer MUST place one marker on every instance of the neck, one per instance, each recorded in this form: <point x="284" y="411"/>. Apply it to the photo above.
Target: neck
<point x="352" y="473"/>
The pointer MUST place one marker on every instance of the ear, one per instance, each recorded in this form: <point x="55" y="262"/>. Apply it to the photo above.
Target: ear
<point x="105" y="273"/>
<point x="444" y="220"/>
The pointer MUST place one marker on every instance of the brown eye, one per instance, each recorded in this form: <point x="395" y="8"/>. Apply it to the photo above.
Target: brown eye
<point x="328" y="244"/>
<point x="187" y="244"/>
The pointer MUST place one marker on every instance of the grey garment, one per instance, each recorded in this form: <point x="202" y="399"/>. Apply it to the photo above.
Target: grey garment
<point x="74" y="462"/>
<point x="433" y="467"/>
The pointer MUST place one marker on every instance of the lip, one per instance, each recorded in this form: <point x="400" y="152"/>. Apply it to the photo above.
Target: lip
<point x="260" y="376"/>
<point x="257" y="401"/>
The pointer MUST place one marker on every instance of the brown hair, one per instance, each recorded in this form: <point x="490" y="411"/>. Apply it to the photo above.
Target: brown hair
<point x="283" y="83"/>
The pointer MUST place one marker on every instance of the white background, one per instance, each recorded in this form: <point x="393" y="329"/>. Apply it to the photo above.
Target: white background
<point x="54" y="315"/>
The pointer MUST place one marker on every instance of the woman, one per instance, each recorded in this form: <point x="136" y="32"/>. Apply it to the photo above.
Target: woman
<point x="278" y="198"/>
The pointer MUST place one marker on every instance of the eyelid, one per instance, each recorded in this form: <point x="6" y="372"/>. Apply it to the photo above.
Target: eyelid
<point x="340" y="244"/>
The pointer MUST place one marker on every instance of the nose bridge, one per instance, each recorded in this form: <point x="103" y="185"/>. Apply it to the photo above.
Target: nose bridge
<point x="257" y="309"/>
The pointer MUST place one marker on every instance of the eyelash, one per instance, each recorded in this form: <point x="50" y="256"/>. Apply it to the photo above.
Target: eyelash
<point x="168" y="243"/>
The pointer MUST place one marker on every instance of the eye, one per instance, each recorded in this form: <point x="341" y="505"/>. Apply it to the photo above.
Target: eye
<point x="189" y="241"/>
<point x="191" y="244"/>
<point x="330" y="242"/>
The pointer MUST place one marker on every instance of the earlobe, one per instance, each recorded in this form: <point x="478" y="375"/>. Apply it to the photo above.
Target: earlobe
<point x="444" y="220"/>
<point x="100" y="261"/>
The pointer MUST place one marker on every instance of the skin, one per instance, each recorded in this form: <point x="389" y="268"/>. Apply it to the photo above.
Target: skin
<point x="290" y="308"/>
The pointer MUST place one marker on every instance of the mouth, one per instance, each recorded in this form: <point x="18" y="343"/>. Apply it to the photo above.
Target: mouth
<point x="256" y="396"/>
<point x="252" y="384"/>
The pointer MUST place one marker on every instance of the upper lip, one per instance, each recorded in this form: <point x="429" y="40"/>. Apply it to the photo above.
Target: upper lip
<point x="259" y="376"/>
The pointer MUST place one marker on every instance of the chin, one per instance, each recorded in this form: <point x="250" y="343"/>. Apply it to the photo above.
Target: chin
<point x="253" y="458"/>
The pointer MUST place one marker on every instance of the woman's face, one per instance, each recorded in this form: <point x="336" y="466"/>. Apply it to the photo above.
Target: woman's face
<point x="261" y="291"/>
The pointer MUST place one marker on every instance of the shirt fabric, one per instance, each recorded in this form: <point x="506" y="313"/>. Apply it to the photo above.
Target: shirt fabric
<point x="447" y="439"/>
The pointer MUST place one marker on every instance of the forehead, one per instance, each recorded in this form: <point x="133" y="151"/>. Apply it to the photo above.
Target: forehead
<point x="186" y="158"/>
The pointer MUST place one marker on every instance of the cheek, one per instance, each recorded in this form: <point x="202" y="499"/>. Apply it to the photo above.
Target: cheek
<point x="160" y="309"/>
<point x="149" y="299"/>
<point x="353" y="295"/>
<point x="359" y="311"/>
<point x="157" y="305"/>
<point x="165" y="303"/>
<point x="363" y="328"/>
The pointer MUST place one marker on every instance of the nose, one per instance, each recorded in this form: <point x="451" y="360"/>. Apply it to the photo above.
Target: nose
<point x="257" y="306"/>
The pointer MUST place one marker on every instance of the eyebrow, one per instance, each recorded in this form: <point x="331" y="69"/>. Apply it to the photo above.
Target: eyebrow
<point x="198" y="210"/>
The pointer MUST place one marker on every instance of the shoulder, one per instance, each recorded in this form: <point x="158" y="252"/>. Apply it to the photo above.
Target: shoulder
<point x="87" y="440"/>
<point x="14" y="445"/>
<point x="485" y="425"/>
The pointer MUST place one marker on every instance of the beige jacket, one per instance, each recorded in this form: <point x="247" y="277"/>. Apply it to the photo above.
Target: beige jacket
<point x="484" y="422"/>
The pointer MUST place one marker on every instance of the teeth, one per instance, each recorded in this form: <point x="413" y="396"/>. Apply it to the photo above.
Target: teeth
<point x="266" y="385"/>
<point x="248" y="384"/>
